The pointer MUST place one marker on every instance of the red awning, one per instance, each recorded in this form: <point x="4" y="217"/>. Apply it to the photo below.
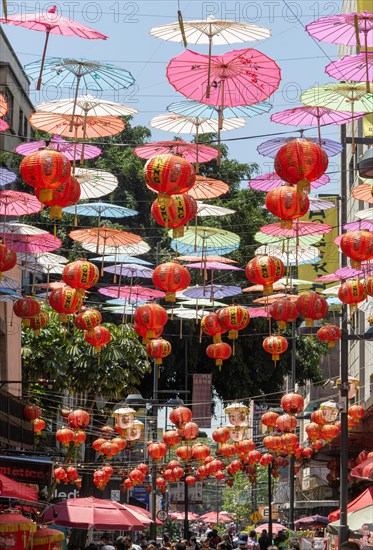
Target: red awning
<point x="364" y="470"/>
<point x="14" y="489"/>
<point x="362" y="501"/>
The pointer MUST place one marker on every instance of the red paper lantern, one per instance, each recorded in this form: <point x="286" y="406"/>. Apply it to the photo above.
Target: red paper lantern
<point x="60" y="473"/>
<point x="39" y="321"/>
<point x="352" y="292"/>
<point x="357" y="412"/>
<point x="265" y="270"/>
<point x="233" y="318"/>
<point x="66" y="194"/>
<point x="171" y="278"/>
<point x="287" y="204"/>
<point x="174" y="212"/>
<point x="80" y="275"/>
<point x="98" y="337"/>
<point x="8" y="258"/>
<point x="368" y="285"/>
<point x="190" y="480"/>
<point x="266" y="459"/>
<point x="97" y="443"/>
<point x="272" y="442"/>
<point x="307" y="452"/>
<point x="330" y="334"/>
<point x="200" y="452"/>
<point x="65" y="436"/>
<point x="109" y="449"/>
<point x="171" y="438"/>
<point x="289" y="442"/>
<point x="151" y="317"/>
<point x="220" y="352"/>
<point x="313" y="431"/>
<point x="79" y="437"/>
<point x="254" y="457"/>
<point x="318" y="417"/>
<point x="358" y="246"/>
<point x="169" y="174"/>
<point x="286" y="423"/>
<point x="26" y="308"/>
<point x="178" y="473"/>
<point x="46" y="170"/>
<point x="275" y="345"/>
<point x="245" y="446"/>
<point x="190" y="431"/>
<point x="78" y="419"/>
<point x="157" y="451"/>
<point x="211" y="326"/>
<point x="72" y="473"/>
<point x="160" y="482"/>
<point x="88" y="319"/>
<point x="180" y="416"/>
<point x="300" y="162"/>
<point x="329" y="432"/>
<point x="136" y="476"/>
<point x="39" y="425"/>
<point x="234" y="467"/>
<point x="312" y="306"/>
<point x="65" y="301"/>
<point x="122" y="444"/>
<point x="184" y="452"/>
<point x="141" y="331"/>
<point x="158" y="349"/>
<point x="292" y="403"/>
<point x="227" y="449"/>
<point x="32" y="412"/>
<point x="269" y="419"/>
<point x="283" y="311"/>
<point x="220" y="475"/>
<point x="221" y="435"/>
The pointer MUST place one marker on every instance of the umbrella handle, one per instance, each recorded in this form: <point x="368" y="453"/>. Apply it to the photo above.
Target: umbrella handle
<point x="75" y="100"/>
<point x="209" y="69"/>
<point x="181" y="25"/>
<point x="38" y="86"/>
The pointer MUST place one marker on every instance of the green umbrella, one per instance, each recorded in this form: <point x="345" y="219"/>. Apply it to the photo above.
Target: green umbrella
<point x="208" y="237"/>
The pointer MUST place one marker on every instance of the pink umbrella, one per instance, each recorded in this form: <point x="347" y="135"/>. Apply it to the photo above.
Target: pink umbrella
<point x="215" y="517"/>
<point x="213" y="266"/>
<point x="268" y="182"/>
<point x="300" y="229"/>
<point x="363" y="193"/>
<point x="259" y="288"/>
<point x="312" y="116"/>
<point x="71" y="150"/>
<point x="276" y="527"/>
<point x="32" y="244"/>
<point x="361" y="224"/>
<point x="16" y="203"/>
<point x="52" y="23"/>
<point x="330" y="278"/>
<point x="132" y="293"/>
<point x="190" y="151"/>
<point x="270" y="148"/>
<point x="353" y="67"/>
<point x="257" y="312"/>
<point x="4" y="126"/>
<point x="211" y="258"/>
<point x="239" y="77"/>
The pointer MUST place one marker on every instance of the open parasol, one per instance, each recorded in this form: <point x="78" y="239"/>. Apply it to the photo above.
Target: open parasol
<point x="190" y="151"/>
<point x="104" y="236"/>
<point x="208" y="237"/>
<point x="71" y="150"/>
<point x="132" y="294"/>
<point x="51" y="22"/>
<point x="284" y="242"/>
<point x="202" y="302"/>
<point x="32" y="244"/>
<point x="366" y="214"/>
<point x="83" y="127"/>
<point x="353" y="67"/>
<point x="270" y="181"/>
<point x="206" y="210"/>
<point x="17" y="228"/>
<point x="16" y="203"/>
<point x="133" y="271"/>
<point x="208" y="188"/>
<point x="299" y="229"/>
<point x="6" y="176"/>
<point x="259" y="288"/>
<point x="129" y="250"/>
<point x="292" y="256"/>
<point x="95" y="183"/>
<point x="187" y="249"/>
<point x="363" y="192"/>
<point x="212" y="266"/>
<point x="212" y="291"/>
<point x="121" y="259"/>
<point x="192" y="108"/>
<point x="270" y="148"/>
<point x="100" y="210"/>
<point x="209" y="258"/>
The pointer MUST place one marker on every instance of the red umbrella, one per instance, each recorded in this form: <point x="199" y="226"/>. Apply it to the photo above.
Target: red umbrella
<point x="14" y="489"/>
<point x="190" y="151"/>
<point x="144" y="515"/>
<point x="364" y="500"/>
<point x="52" y="23"/>
<point x="85" y="513"/>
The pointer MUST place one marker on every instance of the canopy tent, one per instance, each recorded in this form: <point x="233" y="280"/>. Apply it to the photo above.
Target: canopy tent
<point x="362" y="501"/>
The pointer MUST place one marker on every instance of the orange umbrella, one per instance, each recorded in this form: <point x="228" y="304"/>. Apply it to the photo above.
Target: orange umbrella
<point x="208" y="188"/>
<point x="259" y="288"/>
<point x="3" y="105"/>
<point x="267" y="300"/>
<point x="363" y="192"/>
<point x="83" y="126"/>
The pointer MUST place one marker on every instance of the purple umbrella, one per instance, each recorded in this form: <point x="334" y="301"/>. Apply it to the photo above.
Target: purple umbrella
<point x="348" y="272"/>
<point x="72" y="150"/>
<point x="213" y="266"/>
<point x="270" y="148"/>
<point x="6" y="176"/>
<point x="213" y="292"/>
<point x="268" y="182"/>
<point x="359" y="225"/>
<point x="129" y="270"/>
<point x="353" y="67"/>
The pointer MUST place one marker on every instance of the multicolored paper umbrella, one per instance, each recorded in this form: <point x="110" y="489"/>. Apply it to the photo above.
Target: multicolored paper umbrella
<point x="130" y="270"/>
<point x="353" y="67"/>
<point x="259" y="288"/>
<point x="365" y="214"/>
<point x="210" y="258"/>
<point x="195" y="109"/>
<point x="360" y="225"/>
<point x="104" y="236"/>
<point x="284" y="242"/>
<point x="100" y="210"/>
<point x="291" y="256"/>
<point x="71" y="149"/>
<point x="206" y="210"/>
<point x="17" y="228"/>
<point x="121" y="259"/>
<point x="299" y="229"/>
<point x="132" y="293"/>
<point x="363" y="192"/>
<point x="95" y="183"/>
<point x="270" y="148"/>
<point x="180" y="124"/>
<point x="270" y="181"/>
<point x="4" y="126"/>
<point x="51" y="22"/>
<point x="8" y="283"/>
<point x="212" y="292"/>
<point x="212" y="266"/>
<point x="83" y="127"/>
<point x="16" y="203"/>
<point x="190" y="151"/>
<point x="187" y="249"/>
<point x="130" y="250"/>
<point x="199" y="302"/>
<point x="33" y="244"/>
<point x="208" y="188"/>
<point x="45" y="259"/>
<point x="206" y="238"/>
<point x="6" y="176"/>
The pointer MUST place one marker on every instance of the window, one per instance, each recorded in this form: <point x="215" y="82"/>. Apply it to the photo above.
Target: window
<point x="25" y="126"/>
<point x="20" y="122"/>
<point x="10" y="100"/>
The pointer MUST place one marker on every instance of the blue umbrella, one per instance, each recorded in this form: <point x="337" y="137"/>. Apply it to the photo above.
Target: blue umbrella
<point x="10" y="292"/>
<point x="129" y="270"/>
<point x="120" y="259"/>
<point x="6" y="176"/>
<point x="122" y="302"/>
<point x="196" y="109"/>
<point x="212" y="291"/>
<point x="189" y="249"/>
<point x="100" y="210"/>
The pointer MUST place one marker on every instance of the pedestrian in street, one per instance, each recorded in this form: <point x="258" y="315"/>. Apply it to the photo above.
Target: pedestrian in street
<point x="264" y="540"/>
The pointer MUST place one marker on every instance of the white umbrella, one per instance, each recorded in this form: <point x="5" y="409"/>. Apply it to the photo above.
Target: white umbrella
<point x="291" y="255"/>
<point x="86" y="105"/>
<point x="7" y="282"/>
<point x="284" y="241"/>
<point x="95" y="183"/>
<point x="46" y="259"/>
<point x="365" y="214"/>
<point x="190" y="125"/>
<point x="366" y="306"/>
<point x="331" y="291"/>
<point x="320" y="204"/>
<point x="185" y="313"/>
<point x="17" y="228"/>
<point x="205" y="210"/>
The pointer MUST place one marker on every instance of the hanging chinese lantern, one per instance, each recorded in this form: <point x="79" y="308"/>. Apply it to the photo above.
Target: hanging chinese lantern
<point x="211" y="326"/>
<point x="272" y="442"/>
<point x="171" y="438"/>
<point x="283" y="311"/>
<point x="151" y="317"/>
<point x="356" y="412"/>
<point x="329" y="432"/>
<point x="32" y="412"/>
<point x="227" y="450"/>
<point x="269" y="419"/>
<point x="184" y="452"/>
<point x="220" y="435"/>
<point x="136" y="476"/>
<point x="141" y="331"/>
<point x="220" y="475"/>
<point x="158" y="349"/>
<point x="358" y="246"/>
<point x="318" y="417"/>
<point x="8" y="258"/>
<point x="330" y="334"/>
<point x="368" y="287"/>
<point x="80" y="275"/>
<point x="157" y="451"/>
<point x="120" y="441"/>
<point x="292" y="403"/>
<point x="160" y="482"/>
<point x="190" y="480"/>
<point x="65" y="436"/>
<point x="313" y="431"/>
<point x="78" y="419"/>
<point x="190" y="431"/>
<point x="233" y="318"/>
<point x="46" y="170"/>
<point x="317" y="445"/>
<point x="200" y="452"/>
<point x="169" y="175"/>
<point x="312" y="306"/>
<point x="307" y="452"/>
<point x="254" y="457"/>
<point x="265" y="270"/>
<point x="65" y="301"/>
<point x="266" y="459"/>
<point x="97" y="443"/>
<point x="171" y="278"/>
<point x="39" y="425"/>
<point x="39" y="321"/>
<point x="300" y="162"/>
<point x="174" y="212"/>
<point x="287" y="204"/>
<point x="352" y="292"/>
<point x="109" y="449"/>
<point x="67" y="194"/>
<point x="289" y="442"/>
<point x="275" y="345"/>
<point x="245" y="446"/>
<point x="234" y="467"/>
<point x="180" y="416"/>
<point x="178" y="473"/>
<point x="88" y="319"/>
<point x="201" y="472"/>
<point x="60" y="473"/>
<point x="98" y="337"/>
<point x="26" y="308"/>
<point x="79" y="437"/>
<point x="72" y="473"/>
<point x="286" y="423"/>
<point x="220" y="352"/>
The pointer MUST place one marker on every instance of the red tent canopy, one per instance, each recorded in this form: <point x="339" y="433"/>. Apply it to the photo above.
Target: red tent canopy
<point x="364" y="470"/>
<point x="362" y="501"/>
<point x="14" y="489"/>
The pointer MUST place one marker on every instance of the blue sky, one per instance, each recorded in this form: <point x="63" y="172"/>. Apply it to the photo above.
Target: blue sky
<point x="127" y="24"/>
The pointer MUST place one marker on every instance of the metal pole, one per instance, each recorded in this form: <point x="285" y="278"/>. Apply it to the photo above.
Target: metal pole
<point x="292" y="459"/>
<point x="186" y="511"/>
<point x="270" y="534"/>
<point x="343" y="525"/>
